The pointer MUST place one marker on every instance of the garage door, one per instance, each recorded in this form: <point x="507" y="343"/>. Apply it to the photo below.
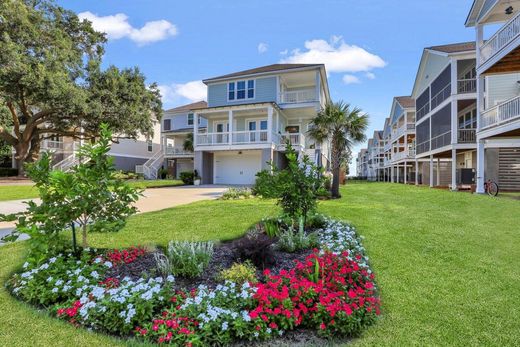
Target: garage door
<point x="234" y="168"/>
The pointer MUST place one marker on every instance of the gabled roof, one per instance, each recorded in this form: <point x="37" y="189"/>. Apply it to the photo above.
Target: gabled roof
<point x="474" y="12"/>
<point x="405" y="101"/>
<point x="263" y="69"/>
<point x="454" y="47"/>
<point x="188" y="107"/>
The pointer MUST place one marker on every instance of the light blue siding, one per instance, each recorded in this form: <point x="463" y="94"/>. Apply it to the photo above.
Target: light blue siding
<point x="265" y="91"/>
<point x="180" y="121"/>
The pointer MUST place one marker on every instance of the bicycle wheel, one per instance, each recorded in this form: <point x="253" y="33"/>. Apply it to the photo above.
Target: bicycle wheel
<point x="492" y="189"/>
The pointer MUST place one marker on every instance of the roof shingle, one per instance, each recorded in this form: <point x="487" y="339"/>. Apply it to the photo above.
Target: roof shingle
<point x="188" y="107"/>
<point x="262" y="69"/>
<point x="455" y="47"/>
<point x="405" y="101"/>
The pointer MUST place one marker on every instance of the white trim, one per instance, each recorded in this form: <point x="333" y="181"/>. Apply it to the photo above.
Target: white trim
<point x="128" y="155"/>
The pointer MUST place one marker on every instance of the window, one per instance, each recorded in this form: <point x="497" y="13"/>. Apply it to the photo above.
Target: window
<point x="241" y="90"/>
<point x="150" y="145"/>
<point x="190" y="118"/>
<point x="167" y="124"/>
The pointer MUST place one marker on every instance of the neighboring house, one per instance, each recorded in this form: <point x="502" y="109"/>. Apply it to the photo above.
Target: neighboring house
<point x="400" y="136"/>
<point x="127" y="153"/>
<point x="251" y="114"/>
<point x="376" y="157"/>
<point x="498" y="96"/>
<point x="177" y="126"/>
<point x="445" y="125"/>
<point x="362" y="163"/>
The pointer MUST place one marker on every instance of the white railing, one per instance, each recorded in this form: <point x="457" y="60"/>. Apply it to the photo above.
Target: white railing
<point x="441" y="140"/>
<point x="388" y="146"/>
<point x="423" y="111"/>
<point x="467" y="136"/>
<point x="151" y="167"/>
<point x="506" y="34"/>
<point x="245" y="137"/>
<point x="52" y="145"/>
<point x="410" y="154"/>
<point x="297" y="96"/>
<point x="213" y="139"/>
<point x="175" y="151"/>
<point x="66" y="164"/>
<point x="296" y="139"/>
<point x="467" y="86"/>
<point x="506" y="111"/>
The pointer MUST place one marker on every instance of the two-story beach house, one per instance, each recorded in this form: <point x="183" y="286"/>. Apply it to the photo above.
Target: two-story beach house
<point x="362" y="163"/>
<point x="177" y="128"/>
<point x="445" y="118"/>
<point x="251" y="114"/>
<point x="497" y="27"/>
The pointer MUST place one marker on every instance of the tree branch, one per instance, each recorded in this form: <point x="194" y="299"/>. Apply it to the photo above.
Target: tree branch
<point x="7" y="137"/>
<point x="16" y="121"/>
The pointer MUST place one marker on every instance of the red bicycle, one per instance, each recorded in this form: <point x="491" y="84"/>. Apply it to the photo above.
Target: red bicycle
<point x="491" y="188"/>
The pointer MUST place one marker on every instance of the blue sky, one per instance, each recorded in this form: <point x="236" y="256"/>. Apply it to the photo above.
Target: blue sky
<point x="178" y="43"/>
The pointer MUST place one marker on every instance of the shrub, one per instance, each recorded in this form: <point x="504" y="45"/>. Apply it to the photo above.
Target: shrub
<point x="271" y="227"/>
<point x="267" y="184"/>
<point x="237" y="193"/>
<point x="189" y="259"/>
<point x="290" y="241"/>
<point x="187" y="177"/>
<point x="256" y="246"/>
<point x="239" y="273"/>
<point x="8" y="172"/>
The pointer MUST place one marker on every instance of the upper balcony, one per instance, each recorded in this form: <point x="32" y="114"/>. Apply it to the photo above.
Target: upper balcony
<point x="235" y="138"/>
<point x="299" y="96"/>
<point x="503" y="42"/>
<point x="402" y="130"/>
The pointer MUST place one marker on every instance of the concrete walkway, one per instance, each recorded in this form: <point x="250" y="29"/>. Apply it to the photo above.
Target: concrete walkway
<point x="153" y="199"/>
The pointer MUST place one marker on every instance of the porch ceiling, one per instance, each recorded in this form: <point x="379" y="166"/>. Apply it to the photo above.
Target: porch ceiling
<point x="510" y="63"/>
<point x="299" y="79"/>
<point x="498" y="14"/>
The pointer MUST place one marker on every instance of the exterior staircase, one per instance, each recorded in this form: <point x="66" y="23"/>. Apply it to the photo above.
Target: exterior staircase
<point x="151" y="167"/>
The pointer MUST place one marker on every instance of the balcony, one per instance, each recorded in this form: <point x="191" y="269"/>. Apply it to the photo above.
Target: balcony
<point x="502" y="38"/>
<point x="441" y="96"/>
<point x="403" y="129"/>
<point x="505" y="112"/>
<point x="298" y="96"/>
<point x="410" y="154"/>
<point x="296" y="139"/>
<point x="467" y="86"/>
<point x="467" y="136"/>
<point x="248" y="138"/>
<point x="177" y="152"/>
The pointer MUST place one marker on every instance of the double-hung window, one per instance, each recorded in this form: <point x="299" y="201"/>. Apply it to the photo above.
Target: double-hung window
<point x="167" y="125"/>
<point x="241" y="90"/>
<point x="190" y="118"/>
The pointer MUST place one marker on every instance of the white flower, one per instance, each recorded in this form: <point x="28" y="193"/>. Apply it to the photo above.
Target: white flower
<point x="49" y="279"/>
<point x="224" y="326"/>
<point x="55" y="290"/>
<point x="52" y="260"/>
<point x="25" y="265"/>
<point x="108" y="264"/>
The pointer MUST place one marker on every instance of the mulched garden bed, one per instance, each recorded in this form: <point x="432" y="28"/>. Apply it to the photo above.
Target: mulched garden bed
<point x="224" y="255"/>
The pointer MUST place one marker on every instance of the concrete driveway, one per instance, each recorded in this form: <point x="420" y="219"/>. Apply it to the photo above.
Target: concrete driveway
<point x="153" y="199"/>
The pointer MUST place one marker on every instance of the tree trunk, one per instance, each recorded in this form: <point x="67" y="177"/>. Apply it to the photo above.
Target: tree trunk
<point x="21" y="152"/>
<point x="335" y="162"/>
<point x="84" y="236"/>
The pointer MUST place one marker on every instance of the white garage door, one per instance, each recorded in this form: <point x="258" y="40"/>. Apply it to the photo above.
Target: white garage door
<point x="234" y="168"/>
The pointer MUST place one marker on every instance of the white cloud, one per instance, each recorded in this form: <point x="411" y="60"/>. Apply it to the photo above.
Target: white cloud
<point x="350" y="79"/>
<point x="262" y="47"/>
<point x="284" y="52"/>
<point x="370" y="76"/>
<point x="337" y="56"/>
<point x="177" y="93"/>
<point x="117" y="27"/>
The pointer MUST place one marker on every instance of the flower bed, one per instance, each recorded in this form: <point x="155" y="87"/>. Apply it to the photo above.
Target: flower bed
<point x="329" y="290"/>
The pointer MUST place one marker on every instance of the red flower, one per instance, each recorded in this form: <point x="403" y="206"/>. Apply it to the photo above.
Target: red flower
<point x="322" y="326"/>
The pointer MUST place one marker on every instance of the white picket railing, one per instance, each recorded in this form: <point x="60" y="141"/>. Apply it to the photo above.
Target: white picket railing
<point x="298" y="96"/>
<point x="296" y="139"/>
<point x="467" y="136"/>
<point x="175" y="151"/>
<point x="506" y="34"/>
<point x="466" y="86"/>
<point x="504" y="112"/>
<point x="151" y="167"/>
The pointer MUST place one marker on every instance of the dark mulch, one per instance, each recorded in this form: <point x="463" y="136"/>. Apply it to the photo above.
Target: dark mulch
<point x="224" y="255"/>
<point x="295" y="338"/>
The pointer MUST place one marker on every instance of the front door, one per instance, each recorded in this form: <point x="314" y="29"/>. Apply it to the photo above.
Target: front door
<point x="257" y="130"/>
<point x="221" y="137"/>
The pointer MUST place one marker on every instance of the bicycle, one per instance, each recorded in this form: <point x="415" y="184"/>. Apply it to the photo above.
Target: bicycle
<point x="491" y="188"/>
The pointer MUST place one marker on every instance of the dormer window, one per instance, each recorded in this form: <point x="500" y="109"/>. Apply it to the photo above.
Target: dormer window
<point x="241" y="90"/>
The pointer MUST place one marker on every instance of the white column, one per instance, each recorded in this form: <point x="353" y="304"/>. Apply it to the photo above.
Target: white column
<point x="416" y="172"/>
<point x="397" y="173"/>
<point x="438" y="171"/>
<point x="269" y="124"/>
<point x="392" y="174"/>
<point x="481" y="154"/>
<point x="195" y="128"/>
<point x="453" y="169"/>
<point x="277" y="127"/>
<point x="230" y="125"/>
<point x="431" y="170"/>
<point x="405" y="176"/>
<point x="318" y="85"/>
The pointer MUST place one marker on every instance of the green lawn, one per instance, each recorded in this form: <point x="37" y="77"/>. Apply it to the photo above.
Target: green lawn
<point x="447" y="264"/>
<point x="18" y="192"/>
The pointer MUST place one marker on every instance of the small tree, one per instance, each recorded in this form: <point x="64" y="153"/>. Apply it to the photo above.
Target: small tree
<point x="295" y="187"/>
<point x="90" y="196"/>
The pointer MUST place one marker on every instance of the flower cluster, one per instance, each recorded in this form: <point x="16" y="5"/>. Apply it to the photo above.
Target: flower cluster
<point x="338" y="237"/>
<point x="208" y="316"/>
<point x="329" y="292"/>
<point x="125" y="256"/>
<point x="58" y="279"/>
<point x="118" y="309"/>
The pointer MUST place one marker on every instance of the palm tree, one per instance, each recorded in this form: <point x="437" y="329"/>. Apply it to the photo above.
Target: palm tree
<point x="188" y="143"/>
<point x="344" y="127"/>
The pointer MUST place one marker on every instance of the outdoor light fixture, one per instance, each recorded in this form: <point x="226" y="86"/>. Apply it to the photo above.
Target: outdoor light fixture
<point x="509" y="10"/>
